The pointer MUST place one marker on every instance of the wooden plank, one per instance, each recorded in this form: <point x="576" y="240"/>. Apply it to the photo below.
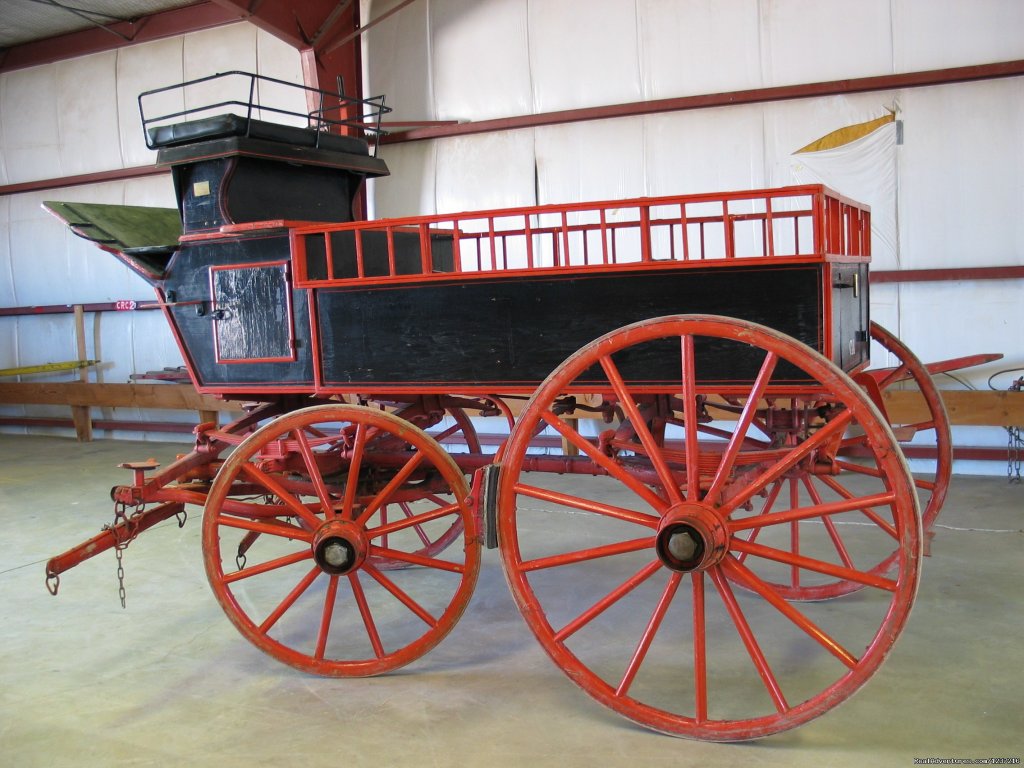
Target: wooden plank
<point x="80" y="413"/>
<point x="171" y="396"/>
<point x="28" y="370"/>
<point x="979" y="408"/>
<point x="570" y="449"/>
<point x="965" y="407"/>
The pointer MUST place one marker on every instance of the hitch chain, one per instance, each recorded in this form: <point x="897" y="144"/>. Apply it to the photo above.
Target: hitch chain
<point x="1015" y="444"/>
<point x="1014" y="450"/>
<point x="125" y="530"/>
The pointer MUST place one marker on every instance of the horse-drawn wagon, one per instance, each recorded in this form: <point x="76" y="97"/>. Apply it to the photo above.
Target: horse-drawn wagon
<point x="698" y="466"/>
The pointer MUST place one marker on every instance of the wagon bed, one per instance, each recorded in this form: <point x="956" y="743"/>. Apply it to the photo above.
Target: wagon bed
<point x="534" y="284"/>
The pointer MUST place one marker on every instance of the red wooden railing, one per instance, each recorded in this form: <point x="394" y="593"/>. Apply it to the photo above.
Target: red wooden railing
<point x="804" y="223"/>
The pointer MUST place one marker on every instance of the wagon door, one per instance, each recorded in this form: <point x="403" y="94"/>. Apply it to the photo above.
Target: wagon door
<point x="252" y="313"/>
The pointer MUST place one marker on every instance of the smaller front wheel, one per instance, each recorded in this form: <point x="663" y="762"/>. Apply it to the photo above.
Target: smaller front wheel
<point x="301" y="559"/>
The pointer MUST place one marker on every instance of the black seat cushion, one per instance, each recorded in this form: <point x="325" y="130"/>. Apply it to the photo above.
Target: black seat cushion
<point x="223" y="126"/>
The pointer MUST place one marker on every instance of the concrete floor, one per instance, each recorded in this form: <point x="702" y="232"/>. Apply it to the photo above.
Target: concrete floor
<point x="169" y="681"/>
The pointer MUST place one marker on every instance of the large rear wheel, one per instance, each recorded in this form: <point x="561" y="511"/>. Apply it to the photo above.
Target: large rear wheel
<point x="629" y="581"/>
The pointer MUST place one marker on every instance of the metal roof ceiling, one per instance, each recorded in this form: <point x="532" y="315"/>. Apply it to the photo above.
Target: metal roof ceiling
<point x="23" y="21"/>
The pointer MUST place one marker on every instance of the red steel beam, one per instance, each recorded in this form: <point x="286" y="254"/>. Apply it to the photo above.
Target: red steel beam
<point x="191" y="18"/>
<point x="107" y="425"/>
<point x="945" y="275"/>
<point x="330" y="66"/>
<point x="128" y="305"/>
<point x="116" y="174"/>
<point x="296" y="23"/>
<point x="730" y="98"/>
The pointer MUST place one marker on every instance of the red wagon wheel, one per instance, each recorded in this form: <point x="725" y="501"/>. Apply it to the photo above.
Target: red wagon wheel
<point x="433" y="539"/>
<point x="854" y="461"/>
<point x="628" y="580"/>
<point x="932" y="430"/>
<point x="308" y="588"/>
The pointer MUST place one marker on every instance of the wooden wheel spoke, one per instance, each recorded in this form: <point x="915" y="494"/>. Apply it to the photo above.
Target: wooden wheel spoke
<point x="313" y="469"/>
<point x="728" y="460"/>
<point x="742" y="574"/>
<point x="924" y="484"/>
<point x="605" y="462"/>
<point x="837" y="542"/>
<point x="272" y="485"/>
<point x="815" y="510"/>
<point x="325" y="617"/>
<point x="607" y="601"/>
<point x="442" y="436"/>
<point x="269" y="565"/>
<point x="271" y="527"/>
<point x="792" y="458"/>
<point x="383" y="522"/>
<point x="894" y="375"/>
<point x="366" y="614"/>
<point x="830" y="526"/>
<point x="639" y="424"/>
<point x="393" y="485"/>
<point x="413" y="521"/>
<point x="749" y="641"/>
<point x="769" y="502"/>
<point x="289" y="599"/>
<point x="853" y="441"/>
<point x="812" y="564"/>
<point x="921" y="426"/>
<point x="416" y="524"/>
<point x="400" y="594"/>
<point x="794" y="530"/>
<point x="700" y="660"/>
<point x="592" y="553"/>
<point x="414" y="559"/>
<point x="649" y="634"/>
<point x="352" y="482"/>
<point x="688" y="374"/>
<point x="587" y="505"/>
<point x="847" y="466"/>
<point x="870" y="514"/>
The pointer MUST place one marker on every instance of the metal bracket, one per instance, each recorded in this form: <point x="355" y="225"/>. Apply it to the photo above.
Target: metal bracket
<point x="485" y="487"/>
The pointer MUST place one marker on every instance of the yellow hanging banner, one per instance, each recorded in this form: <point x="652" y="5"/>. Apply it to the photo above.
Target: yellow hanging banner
<point x="847" y="135"/>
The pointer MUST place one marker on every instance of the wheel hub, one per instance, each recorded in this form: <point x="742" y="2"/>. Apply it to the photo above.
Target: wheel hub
<point x="691" y="537"/>
<point x="339" y="547"/>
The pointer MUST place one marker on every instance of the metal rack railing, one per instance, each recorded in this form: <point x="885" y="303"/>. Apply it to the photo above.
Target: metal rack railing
<point x="328" y="111"/>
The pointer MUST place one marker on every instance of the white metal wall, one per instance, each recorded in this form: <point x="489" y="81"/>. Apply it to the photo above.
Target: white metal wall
<point x="949" y="196"/>
<point x="955" y="184"/>
<point x="81" y="116"/>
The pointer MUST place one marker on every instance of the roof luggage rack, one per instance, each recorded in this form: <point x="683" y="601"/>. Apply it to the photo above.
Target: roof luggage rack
<point x="335" y="121"/>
